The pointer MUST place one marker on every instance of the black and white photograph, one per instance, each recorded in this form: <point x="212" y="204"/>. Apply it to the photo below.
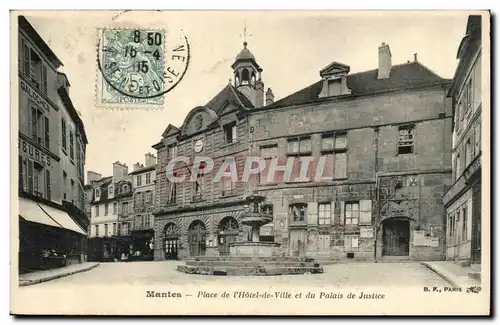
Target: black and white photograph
<point x="250" y="162"/>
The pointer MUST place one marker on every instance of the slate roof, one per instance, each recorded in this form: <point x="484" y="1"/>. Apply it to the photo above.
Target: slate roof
<point x="143" y="169"/>
<point x="38" y="40"/>
<point x="228" y="94"/>
<point x="402" y="76"/>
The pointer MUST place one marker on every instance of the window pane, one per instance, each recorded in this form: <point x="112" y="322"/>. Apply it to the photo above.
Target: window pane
<point x="321" y="208"/>
<point x="340" y="141"/>
<point x="305" y="145"/>
<point x="327" y="143"/>
<point x="340" y="169"/>
<point x="293" y="146"/>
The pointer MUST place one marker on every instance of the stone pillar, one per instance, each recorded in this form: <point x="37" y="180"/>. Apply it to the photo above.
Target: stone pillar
<point x="255" y="233"/>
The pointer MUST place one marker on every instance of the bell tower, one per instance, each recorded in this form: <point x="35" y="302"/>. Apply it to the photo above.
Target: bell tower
<point x="247" y="75"/>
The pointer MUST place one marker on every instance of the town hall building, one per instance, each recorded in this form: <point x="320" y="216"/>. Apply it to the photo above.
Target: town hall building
<point x="384" y="137"/>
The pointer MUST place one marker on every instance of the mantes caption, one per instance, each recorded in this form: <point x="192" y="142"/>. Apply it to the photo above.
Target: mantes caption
<point x="268" y="295"/>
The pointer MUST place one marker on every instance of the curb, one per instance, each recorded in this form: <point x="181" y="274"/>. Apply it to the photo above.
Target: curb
<point x="441" y="274"/>
<point x="57" y="276"/>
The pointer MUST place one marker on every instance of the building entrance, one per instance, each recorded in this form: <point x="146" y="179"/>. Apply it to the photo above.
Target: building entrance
<point x="396" y="237"/>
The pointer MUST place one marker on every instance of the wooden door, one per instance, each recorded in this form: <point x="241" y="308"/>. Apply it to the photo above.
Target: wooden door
<point x="396" y="238"/>
<point x="171" y="245"/>
<point x="197" y="239"/>
<point x="224" y="241"/>
<point x="298" y="242"/>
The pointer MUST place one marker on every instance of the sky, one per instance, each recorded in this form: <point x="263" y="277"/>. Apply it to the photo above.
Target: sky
<point x="292" y="47"/>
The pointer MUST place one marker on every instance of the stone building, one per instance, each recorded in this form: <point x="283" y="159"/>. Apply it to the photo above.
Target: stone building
<point x="143" y="179"/>
<point x="381" y="139"/>
<point x="110" y="208"/>
<point x="201" y="216"/>
<point x="52" y="144"/>
<point x="463" y="199"/>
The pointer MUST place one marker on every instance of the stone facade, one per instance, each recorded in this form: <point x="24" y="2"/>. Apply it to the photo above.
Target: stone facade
<point x="463" y="199"/>
<point x="385" y="141"/>
<point x="51" y="156"/>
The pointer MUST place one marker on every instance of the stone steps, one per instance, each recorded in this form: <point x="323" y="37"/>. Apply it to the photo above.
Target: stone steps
<point x="229" y="263"/>
<point x="250" y="258"/>
<point x="266" y="270"/>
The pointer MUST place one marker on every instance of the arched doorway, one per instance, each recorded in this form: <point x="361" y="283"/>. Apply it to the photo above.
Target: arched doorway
<point x="396" y="237"/>
<point x="197" y="234"/>
<point x="171" y="241"/>
<point x="228" y="232"/>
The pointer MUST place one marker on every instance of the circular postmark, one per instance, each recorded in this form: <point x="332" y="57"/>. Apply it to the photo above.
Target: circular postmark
<point x="140" y="65"/>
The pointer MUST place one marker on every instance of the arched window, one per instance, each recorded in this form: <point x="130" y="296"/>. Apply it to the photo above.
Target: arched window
<point x="228" y="224"/>
<point x="171" y="230"/>
<point x="252" y="79"/>
<point x="237" y="79"/>
<point x="245" y="77"/>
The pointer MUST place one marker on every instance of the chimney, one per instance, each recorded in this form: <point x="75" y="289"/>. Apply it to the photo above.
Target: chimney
<point x="269" y="97"/>
<point x="415" y="57"/>
<point x="150" y="159"/>
<point x="137" y="166"/>
<point x="384" y="61"/>
<point x="93" y="176"/>
<point x="120" y="171"/>
<point x="259" y="93"/>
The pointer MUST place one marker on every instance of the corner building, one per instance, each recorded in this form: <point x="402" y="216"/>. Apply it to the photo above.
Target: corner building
<point x="383" y="134"/>
<point x="463" y="199"/>
<point x="51" y="147"/>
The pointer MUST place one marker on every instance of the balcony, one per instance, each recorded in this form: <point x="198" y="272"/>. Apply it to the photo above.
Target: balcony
<point x="473" y="171"/>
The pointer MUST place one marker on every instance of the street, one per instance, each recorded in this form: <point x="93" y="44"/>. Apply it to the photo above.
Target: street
<point x="165" y="273"/>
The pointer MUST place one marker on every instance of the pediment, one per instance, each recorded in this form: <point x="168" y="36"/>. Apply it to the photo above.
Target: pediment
<point x="335" y="68"/>
<point x="170" y="130"/>
<point x="198" y="119"/>
<point x="228" y="106"/>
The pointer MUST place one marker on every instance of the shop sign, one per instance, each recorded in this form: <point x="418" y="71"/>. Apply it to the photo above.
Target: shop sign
<point x="34" y="153"/>
<point x="34" y="95"/>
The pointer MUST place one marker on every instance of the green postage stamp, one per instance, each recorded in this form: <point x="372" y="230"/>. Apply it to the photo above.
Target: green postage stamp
<point x="137" y="67"/>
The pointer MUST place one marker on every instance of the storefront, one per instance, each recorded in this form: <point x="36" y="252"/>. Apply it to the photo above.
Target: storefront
<point x="48" y="237"/>
<point x="142" y="245"/>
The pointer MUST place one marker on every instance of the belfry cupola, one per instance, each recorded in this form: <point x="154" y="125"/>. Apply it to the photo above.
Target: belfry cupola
<point x="248" y="76"/>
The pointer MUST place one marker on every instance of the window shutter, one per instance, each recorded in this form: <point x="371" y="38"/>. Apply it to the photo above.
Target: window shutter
<point x="30" y="176"/>
<point x="332" y="212"/>
<point x="312" y="213"/>
<point x="47" y="184"/>
<point x="365" y="212"/>
<point x="234" y="134"/>
<point x="342" y="212"/>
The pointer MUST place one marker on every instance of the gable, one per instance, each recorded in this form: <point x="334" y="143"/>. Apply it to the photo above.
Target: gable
<point x="198" y="120"/>
<point x="228" y="107"/>
<point x="335" y="68"/>
<point x="170" y="130"/>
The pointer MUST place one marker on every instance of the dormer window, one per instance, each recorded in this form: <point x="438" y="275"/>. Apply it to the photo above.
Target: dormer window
<point x="97" y="194"/>
<point x="334" y="80"/>
<point x="111" y="191"/>
<point x="125" y="189"/>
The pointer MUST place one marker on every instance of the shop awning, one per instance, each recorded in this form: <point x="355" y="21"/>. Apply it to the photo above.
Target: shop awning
<point x="40" y="213"/>
<point x="62" y="218"/>
<point x="30" y="211"/>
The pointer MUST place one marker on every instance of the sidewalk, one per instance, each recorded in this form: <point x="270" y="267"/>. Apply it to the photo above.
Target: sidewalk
<point x="454" y="274"/>
<point x="47" y="275"/>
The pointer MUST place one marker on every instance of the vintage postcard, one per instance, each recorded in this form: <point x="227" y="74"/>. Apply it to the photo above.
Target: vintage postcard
<point x="250" y="162"/>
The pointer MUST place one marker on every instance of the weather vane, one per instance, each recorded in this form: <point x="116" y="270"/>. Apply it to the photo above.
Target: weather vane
<point x="245" y="35"/>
